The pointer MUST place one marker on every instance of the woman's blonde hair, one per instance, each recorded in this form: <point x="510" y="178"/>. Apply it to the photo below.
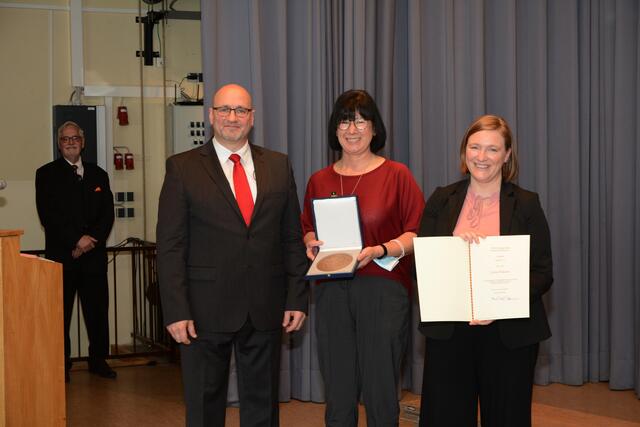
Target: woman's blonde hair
<point x="491" y="122"/>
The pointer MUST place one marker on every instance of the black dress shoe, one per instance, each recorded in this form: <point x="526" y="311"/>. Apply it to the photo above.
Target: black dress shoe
<point x="100" y="368"/>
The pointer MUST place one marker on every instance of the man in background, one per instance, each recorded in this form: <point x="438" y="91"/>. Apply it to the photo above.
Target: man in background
<point x="231" y="265"/>
<point x="75" y="206"/>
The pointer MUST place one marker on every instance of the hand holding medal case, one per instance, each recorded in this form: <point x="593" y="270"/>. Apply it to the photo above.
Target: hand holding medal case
<point x="337" y="224"/>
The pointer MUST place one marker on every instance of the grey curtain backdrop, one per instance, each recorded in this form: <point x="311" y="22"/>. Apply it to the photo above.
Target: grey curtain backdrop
<point x="564" y="73"/>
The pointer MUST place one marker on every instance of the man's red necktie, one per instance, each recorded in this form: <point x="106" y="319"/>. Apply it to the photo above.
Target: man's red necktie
<point x="242" y="190"/>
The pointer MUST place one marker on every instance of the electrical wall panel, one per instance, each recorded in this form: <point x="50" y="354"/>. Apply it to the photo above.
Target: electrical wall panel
<point x="125" y="212"/>
<point x="123" y="196"/>
<point x="186" y="128"/>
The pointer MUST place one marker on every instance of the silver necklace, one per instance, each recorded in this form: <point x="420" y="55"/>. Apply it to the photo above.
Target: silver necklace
<point x="354" y="187"/>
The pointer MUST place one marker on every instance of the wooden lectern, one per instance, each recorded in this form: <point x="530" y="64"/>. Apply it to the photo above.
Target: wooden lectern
<point x="32" y="391"/>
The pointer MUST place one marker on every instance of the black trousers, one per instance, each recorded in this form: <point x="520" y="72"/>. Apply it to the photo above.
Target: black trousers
<point x="474" y="365"/>
<point x="93" y="290"/>
<point x="205" y="374"/>
<point x="363" y="329"/>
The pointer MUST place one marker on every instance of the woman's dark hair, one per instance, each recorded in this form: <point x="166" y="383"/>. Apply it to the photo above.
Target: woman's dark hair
<point x="345" y="109"/>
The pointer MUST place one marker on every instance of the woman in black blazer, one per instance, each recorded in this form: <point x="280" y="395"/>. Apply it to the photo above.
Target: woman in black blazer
<point x="484" y="360"/>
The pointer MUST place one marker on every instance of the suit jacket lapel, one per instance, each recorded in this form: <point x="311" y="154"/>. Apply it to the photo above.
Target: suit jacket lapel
<point x="507" y="203"/>
<point x="211" y="163"/>
<point x="66" y="171"/>
<point x="87" y="176"/>
<point x="262" y="177"/>
<point x="456" y="200"/>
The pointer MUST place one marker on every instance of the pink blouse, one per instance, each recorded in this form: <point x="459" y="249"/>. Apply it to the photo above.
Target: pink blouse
<point x="479" y="214"/>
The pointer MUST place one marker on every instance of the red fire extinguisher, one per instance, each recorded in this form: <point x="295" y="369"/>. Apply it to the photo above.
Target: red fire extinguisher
<point x="123" y="116"/>
<point x="128" y="161"/>
<point x="118" y="162"/>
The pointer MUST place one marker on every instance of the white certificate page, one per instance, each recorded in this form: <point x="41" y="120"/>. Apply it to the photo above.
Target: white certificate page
<point x="500" y="274"/>
<point x="458" y="281"/>
<point x="442" y="269"/>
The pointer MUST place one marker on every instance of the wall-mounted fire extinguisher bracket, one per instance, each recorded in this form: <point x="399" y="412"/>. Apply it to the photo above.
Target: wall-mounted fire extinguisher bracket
<point x="122" y="161"/>
<point x="128" y="161"/>
<point x="118" y="161"/>
<point x="123" y="116"/>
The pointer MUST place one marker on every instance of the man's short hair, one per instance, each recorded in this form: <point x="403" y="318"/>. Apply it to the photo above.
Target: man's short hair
<point x="70" y="123"/>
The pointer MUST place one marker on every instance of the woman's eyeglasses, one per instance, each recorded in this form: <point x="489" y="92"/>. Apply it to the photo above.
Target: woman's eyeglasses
<point x="360" y="124"/>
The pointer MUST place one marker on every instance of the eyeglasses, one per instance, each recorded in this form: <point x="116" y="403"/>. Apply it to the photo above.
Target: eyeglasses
<point x="241" y="112"/>
<point x="74" y="138"/>
<point x="360" y="124"/>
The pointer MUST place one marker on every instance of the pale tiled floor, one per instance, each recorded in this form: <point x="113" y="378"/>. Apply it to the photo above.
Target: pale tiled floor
<point x="151" y="396"/>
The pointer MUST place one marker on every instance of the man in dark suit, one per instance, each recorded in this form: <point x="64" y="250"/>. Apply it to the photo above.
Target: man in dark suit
<point x="231" y="265"/>
<point x="75" y="206"/>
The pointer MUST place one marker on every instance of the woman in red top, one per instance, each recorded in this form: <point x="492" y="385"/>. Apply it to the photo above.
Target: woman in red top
<point x="363" y="323"/>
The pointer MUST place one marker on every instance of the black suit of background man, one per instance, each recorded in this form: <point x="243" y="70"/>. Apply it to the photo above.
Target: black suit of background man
<point x="76" y="212"/>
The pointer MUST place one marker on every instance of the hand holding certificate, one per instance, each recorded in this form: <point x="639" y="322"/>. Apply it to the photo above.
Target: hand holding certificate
<point x="460" y="281"/>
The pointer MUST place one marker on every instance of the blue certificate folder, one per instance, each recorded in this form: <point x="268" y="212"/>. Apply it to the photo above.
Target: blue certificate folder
<point x="337" y="224"/>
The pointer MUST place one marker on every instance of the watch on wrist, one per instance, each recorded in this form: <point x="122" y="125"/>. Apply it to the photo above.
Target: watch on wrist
<point x="384" y="253"/>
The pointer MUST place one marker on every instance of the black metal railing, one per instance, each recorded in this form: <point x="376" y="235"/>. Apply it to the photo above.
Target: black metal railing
<point x="147" y="333"/>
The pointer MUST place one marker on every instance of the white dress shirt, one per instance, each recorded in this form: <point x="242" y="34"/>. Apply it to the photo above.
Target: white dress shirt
<point x="80" y="170"/>
<point x="245" y="159"/>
